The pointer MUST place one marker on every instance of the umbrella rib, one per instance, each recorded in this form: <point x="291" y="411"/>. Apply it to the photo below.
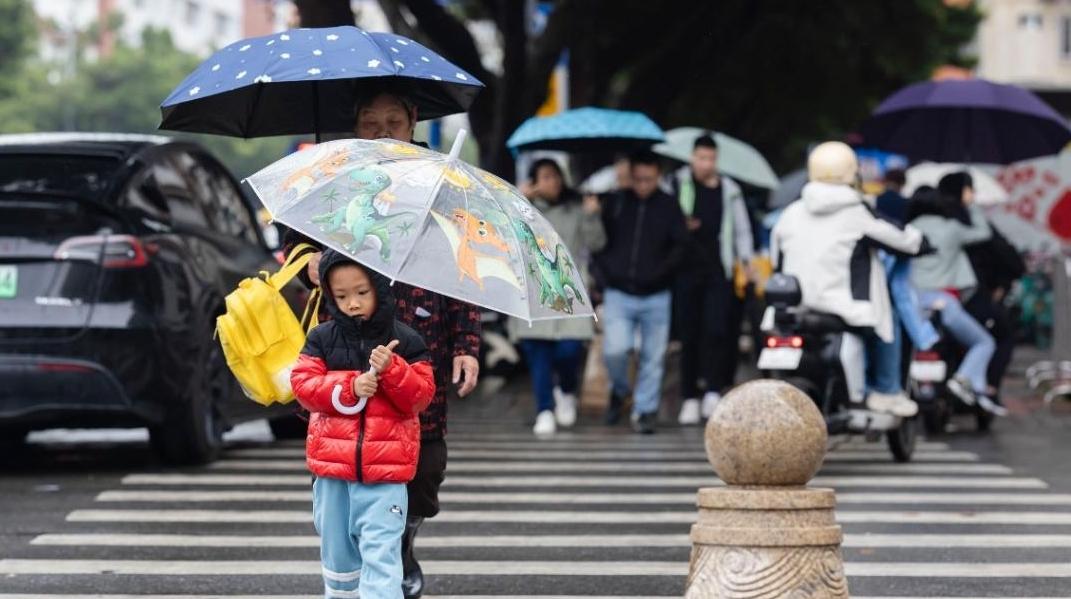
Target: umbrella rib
<point x="427" y="212"/>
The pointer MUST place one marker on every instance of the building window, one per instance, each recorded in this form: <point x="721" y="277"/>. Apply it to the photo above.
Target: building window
<point x="1065" y="38"/>
<point x="223" y="24"/>
<point x="1030" y="21"/>
<point x="193" y="13"/>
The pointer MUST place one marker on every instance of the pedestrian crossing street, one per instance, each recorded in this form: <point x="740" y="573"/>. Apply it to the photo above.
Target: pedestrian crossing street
<point x="594" y="513"/>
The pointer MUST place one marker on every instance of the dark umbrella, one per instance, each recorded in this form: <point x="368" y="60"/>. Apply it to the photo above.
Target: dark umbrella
<point x="308" y="81"/>
<point x="966" y="120"/>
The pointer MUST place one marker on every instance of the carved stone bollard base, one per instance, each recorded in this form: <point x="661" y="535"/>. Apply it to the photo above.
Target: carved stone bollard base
<point x="766" y="536"/>
<point x="766" y="544"/>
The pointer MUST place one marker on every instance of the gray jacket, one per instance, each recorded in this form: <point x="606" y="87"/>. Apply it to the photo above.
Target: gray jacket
<point x="950" y="267"/>
<point x="584" y="235"/>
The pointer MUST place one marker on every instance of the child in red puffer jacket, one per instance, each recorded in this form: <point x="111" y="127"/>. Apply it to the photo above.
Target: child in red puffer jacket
<point x="362" y="459"/>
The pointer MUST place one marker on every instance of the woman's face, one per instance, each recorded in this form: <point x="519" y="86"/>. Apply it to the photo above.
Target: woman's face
<point x="385" y="117"/>
<point x="549" y="183"/>
<point x="968" y="195"/>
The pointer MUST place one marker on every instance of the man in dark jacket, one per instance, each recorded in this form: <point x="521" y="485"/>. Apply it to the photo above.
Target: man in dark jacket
<point x="645" y="244"/>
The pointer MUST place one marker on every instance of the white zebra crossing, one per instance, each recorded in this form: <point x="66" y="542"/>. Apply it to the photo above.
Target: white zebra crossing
<point x="644" y="485"/>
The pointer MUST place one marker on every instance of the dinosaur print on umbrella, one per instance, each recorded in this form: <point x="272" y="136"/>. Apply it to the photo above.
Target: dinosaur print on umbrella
<point x="556" y="282"/>
<point x="363" y="216"/>
<point x="465" y="232"/>
<point x="327" y="166"/>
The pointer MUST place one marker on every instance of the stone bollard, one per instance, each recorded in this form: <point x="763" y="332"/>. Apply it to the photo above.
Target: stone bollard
<point x="766" y="535"/>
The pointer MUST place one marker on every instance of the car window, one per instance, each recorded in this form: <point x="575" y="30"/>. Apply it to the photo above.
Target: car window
<point x="185" y="211"/>
<point x="220" y="199"/>
<point x="143" y="199"/>
<point x="41" y="173"/>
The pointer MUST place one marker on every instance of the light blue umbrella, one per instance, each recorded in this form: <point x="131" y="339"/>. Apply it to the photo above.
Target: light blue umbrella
<point x="587" y="130"/>
<point x="736" y="158"/>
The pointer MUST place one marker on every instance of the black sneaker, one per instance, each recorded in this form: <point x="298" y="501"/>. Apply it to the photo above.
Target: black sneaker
<point x="613" y="411"/>
<point x="644" y="424"/>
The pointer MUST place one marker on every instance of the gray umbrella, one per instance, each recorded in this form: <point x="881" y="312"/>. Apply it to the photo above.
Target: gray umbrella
<point x="789" y="191"/>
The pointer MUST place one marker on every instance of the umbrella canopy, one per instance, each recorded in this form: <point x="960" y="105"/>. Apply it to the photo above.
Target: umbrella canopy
<point x="736" y="158"/>
<point x="308" y="81"/>
<point x="430" y="220"/>
<point x="970" y="120"/>
<point x="789" y="190"/>
<point x="987" y="190"/>
<point x="587" y="130"/>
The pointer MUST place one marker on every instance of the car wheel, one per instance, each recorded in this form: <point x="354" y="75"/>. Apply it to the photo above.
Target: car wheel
<point x="290" y="426"/>
<point x="192" y="431"/>
<point x="902" y="440"/>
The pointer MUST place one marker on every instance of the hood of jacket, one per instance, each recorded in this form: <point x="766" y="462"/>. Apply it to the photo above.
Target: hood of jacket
<point x="380" y="327"/>
<point x="826" y="198"/>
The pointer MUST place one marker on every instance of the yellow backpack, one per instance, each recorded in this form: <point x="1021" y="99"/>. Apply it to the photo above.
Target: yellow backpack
<point x="261" y="336"/>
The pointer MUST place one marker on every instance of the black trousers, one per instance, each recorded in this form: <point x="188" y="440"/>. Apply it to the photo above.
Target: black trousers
<point x="995" y="318"/>
<point x="708" y="319"/>
<point x="431" y="471"/>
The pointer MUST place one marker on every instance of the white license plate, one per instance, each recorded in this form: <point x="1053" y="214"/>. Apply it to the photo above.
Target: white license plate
<point x="930" y="371"/>
<point x="780" y="358"/>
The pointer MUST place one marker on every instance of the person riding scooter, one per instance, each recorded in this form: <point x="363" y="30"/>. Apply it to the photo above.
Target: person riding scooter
<point x="829" y="240"/>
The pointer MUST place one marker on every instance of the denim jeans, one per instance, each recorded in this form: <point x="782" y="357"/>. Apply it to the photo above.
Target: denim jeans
<point x="547" y="358"/>
<point x="360" y="528"/>
<point x="906" y="303"/>
<point x="623" y="316"/>
<point x="969" y="333"/>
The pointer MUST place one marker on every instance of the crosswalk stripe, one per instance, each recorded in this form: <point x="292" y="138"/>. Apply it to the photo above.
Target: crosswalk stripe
<point x="570" y="517"/>
<point x="985" y="541"/>
<point x="699" y="468"/>
<point x="581" y="455"/>
<point x="304" y="480"/>
<point x="507" y="568"/>
<point x="495" y="497"/>
<point x="647" y="444"/>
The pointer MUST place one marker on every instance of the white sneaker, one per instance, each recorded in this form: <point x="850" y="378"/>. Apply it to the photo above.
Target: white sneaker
<point x="565" y="409"/>
<point x="991" y="406"/>
<point x="545" y="424"/>
<point x="710" y="401"/>
<point x="895" y="404"/>
<point x="961" y="389"/>
<point x="689" y="412"/>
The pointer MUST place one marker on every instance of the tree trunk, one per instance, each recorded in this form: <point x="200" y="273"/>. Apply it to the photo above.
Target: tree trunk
<point x="324" y="13"/>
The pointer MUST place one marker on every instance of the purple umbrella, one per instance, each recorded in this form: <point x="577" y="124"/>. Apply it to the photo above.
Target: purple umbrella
<point x="966" y="120"/>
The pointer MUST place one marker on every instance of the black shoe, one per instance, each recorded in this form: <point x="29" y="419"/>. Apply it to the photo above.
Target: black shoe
<point x="412" y="575"/>
<point x="613" y="411"/>
<point x="644" y="424"/>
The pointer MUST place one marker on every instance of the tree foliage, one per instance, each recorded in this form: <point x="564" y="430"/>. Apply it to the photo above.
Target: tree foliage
<point x="120" y="93"/>
<point x="778" y="73"/>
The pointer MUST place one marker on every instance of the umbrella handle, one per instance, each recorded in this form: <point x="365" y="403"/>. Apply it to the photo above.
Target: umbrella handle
<point x="344" y="409"/>
<point x="459" y="140"/>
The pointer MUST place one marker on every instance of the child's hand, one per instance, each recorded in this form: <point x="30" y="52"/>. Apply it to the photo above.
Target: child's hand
<point x="366" y="385"/>
<point x="381" y="356"/>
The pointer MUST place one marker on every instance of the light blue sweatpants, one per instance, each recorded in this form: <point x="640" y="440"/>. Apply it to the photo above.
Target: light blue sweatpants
<point x="360" y="528"/>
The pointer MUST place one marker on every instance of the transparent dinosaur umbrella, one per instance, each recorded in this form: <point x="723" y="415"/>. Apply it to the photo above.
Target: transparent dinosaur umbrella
<point x="430" y="220"/>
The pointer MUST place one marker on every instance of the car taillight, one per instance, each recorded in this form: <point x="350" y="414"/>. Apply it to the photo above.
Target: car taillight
<point x="795" y="341"/>
<point x="927" y="356"/>
<point x="63" y="367"/>
<point x="118" y="251"/>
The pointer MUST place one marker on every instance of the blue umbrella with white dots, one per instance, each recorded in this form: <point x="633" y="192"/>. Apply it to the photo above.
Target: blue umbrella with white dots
<point x="309" y="81"/>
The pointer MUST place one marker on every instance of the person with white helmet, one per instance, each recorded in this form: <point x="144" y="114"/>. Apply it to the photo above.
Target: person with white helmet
<point x="829" y="240"/>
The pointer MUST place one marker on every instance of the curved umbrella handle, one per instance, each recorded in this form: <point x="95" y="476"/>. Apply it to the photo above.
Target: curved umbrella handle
<point x="344" y="409"/>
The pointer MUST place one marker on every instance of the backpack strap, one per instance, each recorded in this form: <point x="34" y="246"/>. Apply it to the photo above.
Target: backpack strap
<point x="298" y="259"/>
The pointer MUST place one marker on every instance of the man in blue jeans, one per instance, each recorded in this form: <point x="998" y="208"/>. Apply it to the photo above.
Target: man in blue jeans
<point x="645" y="242"/>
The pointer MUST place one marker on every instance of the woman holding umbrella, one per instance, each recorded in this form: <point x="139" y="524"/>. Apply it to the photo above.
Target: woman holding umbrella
<point x="556" y="346"/>
<point x="450" y="328"/>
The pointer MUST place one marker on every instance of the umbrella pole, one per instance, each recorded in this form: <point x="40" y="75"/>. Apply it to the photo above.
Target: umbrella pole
<point x="459" y="140"/>
<point x="316" y="109"/>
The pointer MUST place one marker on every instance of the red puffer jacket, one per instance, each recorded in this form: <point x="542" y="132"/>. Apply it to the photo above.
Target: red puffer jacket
<point x="384" y="439"/>
<point x="382" y="443"/>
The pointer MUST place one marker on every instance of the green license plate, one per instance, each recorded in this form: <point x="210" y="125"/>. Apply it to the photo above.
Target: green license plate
<point x="9" y="281"/>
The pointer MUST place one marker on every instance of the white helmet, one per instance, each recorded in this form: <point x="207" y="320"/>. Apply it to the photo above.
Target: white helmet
<point x="833" y="162"/>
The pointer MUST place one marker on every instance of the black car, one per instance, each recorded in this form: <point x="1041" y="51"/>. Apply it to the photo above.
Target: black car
<point x="116" y="253"/>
